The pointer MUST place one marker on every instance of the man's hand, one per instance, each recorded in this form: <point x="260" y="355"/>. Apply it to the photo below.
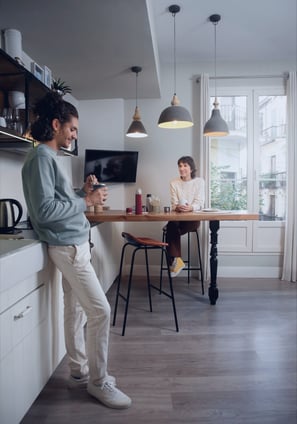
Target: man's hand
<point x="97" y="197"/>
<point x="88" y="185"/>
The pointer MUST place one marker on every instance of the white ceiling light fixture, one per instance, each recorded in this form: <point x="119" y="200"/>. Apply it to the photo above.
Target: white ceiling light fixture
<point x="215" y="126"/>
<point x="175" y="116"/>
<point x="136" y="129"/>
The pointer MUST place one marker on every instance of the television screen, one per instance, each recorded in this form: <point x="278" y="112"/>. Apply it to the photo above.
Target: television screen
<point x="111" y="166"/>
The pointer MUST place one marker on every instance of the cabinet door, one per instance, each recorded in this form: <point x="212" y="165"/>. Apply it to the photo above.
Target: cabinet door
<point x="19" y="320"/>
<point x="24" y="373"/>
<point x="25" y="356"/>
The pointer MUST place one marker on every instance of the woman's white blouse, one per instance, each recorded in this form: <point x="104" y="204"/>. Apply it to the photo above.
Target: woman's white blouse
<point x="192" y="191"/>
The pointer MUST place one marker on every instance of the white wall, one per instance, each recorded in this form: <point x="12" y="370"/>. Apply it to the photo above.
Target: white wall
<point x="161" y="150"/>
<point x="103" y="124"/>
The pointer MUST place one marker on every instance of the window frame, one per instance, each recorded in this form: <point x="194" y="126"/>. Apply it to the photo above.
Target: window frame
<point x="260" y="236"/>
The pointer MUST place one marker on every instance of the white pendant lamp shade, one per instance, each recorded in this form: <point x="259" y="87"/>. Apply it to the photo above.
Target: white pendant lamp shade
<point x="175" y="116"/>
<point x="215" y="126"/>
<point x="136" y="129"/>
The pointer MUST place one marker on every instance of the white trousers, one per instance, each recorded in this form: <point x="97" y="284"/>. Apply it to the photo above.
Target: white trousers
<point x="84" y="302"/>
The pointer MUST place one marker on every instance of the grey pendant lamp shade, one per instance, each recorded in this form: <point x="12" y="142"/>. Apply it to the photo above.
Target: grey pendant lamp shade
<point x="136" y="129"/>
<point x="215" y="126"/>
<point x="175" y="116"/>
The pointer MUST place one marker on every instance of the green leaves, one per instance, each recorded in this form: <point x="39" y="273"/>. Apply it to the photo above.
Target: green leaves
<point x="60" y="87"/>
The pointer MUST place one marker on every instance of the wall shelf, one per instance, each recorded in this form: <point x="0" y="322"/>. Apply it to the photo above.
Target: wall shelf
<point x="14" y="77"/>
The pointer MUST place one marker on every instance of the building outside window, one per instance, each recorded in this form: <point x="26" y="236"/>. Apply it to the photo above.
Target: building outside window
<point x="248" y="167"/>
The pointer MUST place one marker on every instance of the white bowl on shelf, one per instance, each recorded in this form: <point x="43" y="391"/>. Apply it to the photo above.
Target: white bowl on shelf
<point x="16" y="99"/>
<point x="20" y="106"/>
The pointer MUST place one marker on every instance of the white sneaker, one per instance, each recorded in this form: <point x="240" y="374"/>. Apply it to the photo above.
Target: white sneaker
<point x="109" y="395"/>
<point x="77" y="382"/>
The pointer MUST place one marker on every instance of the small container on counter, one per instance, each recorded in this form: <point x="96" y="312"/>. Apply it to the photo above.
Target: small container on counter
<point x="148" y="202"/>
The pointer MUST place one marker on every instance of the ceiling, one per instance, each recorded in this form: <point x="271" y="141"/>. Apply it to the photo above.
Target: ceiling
<point x="92" y="44"/>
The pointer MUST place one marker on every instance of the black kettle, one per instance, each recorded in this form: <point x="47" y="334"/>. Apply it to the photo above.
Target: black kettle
<point x="8" y="218"/>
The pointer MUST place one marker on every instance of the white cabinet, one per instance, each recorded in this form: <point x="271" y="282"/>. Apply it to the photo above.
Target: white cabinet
<point x="31" y="338"/>
<point x="106" y="252"/>
<point x="22" y="340"/>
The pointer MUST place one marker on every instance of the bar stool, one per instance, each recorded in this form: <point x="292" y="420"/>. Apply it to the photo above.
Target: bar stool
<point x="189" y="266"/>
<point x="146" y="244"/>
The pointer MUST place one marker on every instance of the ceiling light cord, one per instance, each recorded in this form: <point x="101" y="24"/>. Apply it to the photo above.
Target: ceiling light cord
<point x="174" y="53"/>
<point x="136" y="129"/>
<point x="175" y="116"/>
<point x="136" y="88"/>
<point x="215" y="126"/>
<point x="215" y="58"/>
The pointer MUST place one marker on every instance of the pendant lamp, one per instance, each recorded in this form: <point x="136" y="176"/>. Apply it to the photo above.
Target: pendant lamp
<point x="136" y="129"/>
<point x="175" y="116"/>
<point x="215" y="126"/>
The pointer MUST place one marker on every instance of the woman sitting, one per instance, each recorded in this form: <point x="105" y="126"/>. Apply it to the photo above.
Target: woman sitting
<point x="187" y="194"/>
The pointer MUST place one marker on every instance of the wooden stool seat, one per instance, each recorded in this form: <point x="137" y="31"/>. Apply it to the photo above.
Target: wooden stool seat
<point x="143" y="241"/>
<point x="146" y="244"/>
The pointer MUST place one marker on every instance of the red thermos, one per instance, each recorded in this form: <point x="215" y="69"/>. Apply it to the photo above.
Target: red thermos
<point x="138" y="202"/>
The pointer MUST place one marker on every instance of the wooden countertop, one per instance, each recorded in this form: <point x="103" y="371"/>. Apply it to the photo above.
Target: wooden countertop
<point x="122" y="216"/>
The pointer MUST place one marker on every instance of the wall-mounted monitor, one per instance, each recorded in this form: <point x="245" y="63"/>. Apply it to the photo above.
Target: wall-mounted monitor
<point x="111" y="166"/>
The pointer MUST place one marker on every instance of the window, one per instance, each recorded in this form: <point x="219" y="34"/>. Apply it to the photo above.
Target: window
<point x="228" y="157"/>
<point x="272" y="145"/>
<point x="248" y="167"/>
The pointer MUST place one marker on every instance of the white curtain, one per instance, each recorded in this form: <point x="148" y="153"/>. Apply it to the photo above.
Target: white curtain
<point x="203" y="155"/>
<point x="290" y="244"/>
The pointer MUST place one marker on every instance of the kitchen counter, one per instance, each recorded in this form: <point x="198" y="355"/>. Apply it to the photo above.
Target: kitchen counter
<point x="12" y="246"/>
<point x="19" y="259"/>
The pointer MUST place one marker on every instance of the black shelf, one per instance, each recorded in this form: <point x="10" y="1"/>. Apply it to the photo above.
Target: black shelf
<point x="8" y="136"/>
<point x="14" y="77"/>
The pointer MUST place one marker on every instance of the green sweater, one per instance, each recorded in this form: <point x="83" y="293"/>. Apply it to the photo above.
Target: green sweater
<point x="56" y="211"/>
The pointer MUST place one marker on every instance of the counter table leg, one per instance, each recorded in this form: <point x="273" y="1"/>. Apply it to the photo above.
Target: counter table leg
<point x="213" y="292"/>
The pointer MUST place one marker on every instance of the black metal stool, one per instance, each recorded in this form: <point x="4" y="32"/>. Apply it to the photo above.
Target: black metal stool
<point x="142" y="243"/>
<point x="189" y="267"/>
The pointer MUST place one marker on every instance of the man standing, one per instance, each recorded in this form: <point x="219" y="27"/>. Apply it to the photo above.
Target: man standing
<point x="57" y="216"/>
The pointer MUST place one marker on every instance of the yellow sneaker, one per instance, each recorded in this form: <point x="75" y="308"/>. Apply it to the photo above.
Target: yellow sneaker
<point x="176" y="267"/>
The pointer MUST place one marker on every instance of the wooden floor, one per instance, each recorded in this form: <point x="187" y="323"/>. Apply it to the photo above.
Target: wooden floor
<point x="233" y="363"/>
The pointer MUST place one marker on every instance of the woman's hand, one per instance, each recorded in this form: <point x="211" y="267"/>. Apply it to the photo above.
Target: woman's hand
<point x="184" y="208"/>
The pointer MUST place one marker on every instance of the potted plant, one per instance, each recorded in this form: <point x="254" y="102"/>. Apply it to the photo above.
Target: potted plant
<point x="60" y="87"/>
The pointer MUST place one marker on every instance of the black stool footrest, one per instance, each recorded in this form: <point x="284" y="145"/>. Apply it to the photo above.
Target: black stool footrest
<point x="189" y="267"/>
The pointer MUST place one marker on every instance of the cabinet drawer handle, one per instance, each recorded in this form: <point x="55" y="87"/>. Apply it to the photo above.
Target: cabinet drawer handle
<point x="23" y="313"/>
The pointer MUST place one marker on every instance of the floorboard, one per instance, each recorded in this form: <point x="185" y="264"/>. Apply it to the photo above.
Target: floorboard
<point x="232" y="363"/>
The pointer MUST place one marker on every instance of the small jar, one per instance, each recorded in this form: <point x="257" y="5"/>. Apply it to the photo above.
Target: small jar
<point x="148" y="203"/>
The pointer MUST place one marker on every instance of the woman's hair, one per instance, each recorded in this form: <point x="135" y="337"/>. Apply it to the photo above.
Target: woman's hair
<point x="190" y="161"/>
<point x="51" y="106"/>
